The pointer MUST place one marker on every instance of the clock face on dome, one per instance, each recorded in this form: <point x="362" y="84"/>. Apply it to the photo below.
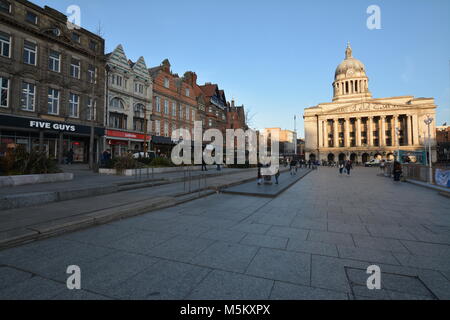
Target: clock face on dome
<point x="350" y="72"/>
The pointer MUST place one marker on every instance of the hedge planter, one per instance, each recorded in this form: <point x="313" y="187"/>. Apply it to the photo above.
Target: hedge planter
<point x="12" y="181"/>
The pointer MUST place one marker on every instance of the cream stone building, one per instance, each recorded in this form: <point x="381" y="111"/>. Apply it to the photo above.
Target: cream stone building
<point x="358" y="127"/>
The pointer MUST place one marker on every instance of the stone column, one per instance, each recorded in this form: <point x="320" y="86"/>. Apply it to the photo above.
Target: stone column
<point x="358" y="132"/>
<point x="394" y="132"/>
<point x="409" y="129"/>
<point x="325" y="133"/>
<point x="320" y="133"/>
<point x="415" y="128"/>
<point x="383" y="131"/>
<point x="347" y="133"/>
<point x="370" y="133"/>
<point x="336" y="132"/>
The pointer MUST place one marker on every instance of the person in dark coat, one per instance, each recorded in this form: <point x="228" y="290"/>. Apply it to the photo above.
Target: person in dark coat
<point x="397" y="171"/>
<point x="70" y="156"/>
<point x="259" y="173"/>
<point x="348" y="167"/>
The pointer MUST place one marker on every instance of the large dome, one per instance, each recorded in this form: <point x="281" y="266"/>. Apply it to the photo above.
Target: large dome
<point x="350" y="67"/>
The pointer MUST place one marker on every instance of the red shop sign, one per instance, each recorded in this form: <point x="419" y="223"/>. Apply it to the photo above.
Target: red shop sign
<point x="127" y="135"/>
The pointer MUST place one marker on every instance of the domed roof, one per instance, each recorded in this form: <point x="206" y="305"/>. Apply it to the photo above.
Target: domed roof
<point x="350" y="67"/>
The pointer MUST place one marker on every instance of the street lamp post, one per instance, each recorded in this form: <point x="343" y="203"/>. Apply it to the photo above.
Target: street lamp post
<point x="428" y="121"/>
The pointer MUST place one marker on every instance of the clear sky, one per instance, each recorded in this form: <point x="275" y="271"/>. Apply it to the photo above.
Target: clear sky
<point x="278" y="57"/>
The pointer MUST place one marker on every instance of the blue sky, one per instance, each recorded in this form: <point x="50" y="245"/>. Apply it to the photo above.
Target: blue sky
<point x="278" y="57"/>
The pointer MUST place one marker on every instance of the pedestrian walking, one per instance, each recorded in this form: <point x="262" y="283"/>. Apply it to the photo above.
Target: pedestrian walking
<point x="277" y="175"/>
<point x="292" y="167"/>
<point x="348" y="167"/>
<point x="259" y="173"/>
<point x="341" y="167"/>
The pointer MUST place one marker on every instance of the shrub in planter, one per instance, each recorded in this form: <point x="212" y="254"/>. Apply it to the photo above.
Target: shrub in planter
<point x="20" y="162"/>
<point x="161" y="162"/>
<point x="126" y="162"/>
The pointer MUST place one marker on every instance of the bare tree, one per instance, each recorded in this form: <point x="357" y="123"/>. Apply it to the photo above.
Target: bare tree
<point x="249" y="117"/>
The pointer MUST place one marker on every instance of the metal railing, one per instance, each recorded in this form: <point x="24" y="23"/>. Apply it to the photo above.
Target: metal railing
<point x="146" y="173"/>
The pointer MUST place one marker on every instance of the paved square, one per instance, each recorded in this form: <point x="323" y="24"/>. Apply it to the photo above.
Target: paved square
<point x="314" y="241"/>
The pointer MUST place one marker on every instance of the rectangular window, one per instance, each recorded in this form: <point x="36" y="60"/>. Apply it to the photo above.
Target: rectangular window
<point x="187" y="92"/>
<point x="76" y="37"/>
<point x="91" y="110"/>
<point x="174" y="109"/>
<point x="166" y="82"/>
<point x="181" y="111"/>
<point x="138" y="124"/>
<point x="193" y="115"/>
<point x="92" y="74"/>
<point x="29" y="53"/>
<point x="166" y="128"/>
<point x="210" y="122"/>
<point x="5" y="6"/>
<point x="31" y="17"/>
<point x="158" y="127"/>
<point x="4" y="87"/>
<point x="158" y="104"/>
<point x="117" y="120"/>
<point x="5" y="45"/>
<point x="166" y="107"/>
<point x="187" y="112"/>
<point x="54" y="61"/>
<point x="118" y="80"/>
<point x="75" y="66"/>
<point x="53" y="101"/>
<point x="28" y="96"/>
<point x="74" y="104"/>
<point x="93" y="45"/>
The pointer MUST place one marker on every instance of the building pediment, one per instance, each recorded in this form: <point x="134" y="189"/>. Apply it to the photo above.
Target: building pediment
<point x="368" y="107"/>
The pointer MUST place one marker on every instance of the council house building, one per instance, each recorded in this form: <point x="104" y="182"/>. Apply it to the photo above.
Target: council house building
<point x="360" y="128"/>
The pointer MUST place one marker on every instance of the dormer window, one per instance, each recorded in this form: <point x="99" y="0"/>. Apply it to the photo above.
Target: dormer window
<point x="5" y="6"/>
<point x="187" y="92"/>
<point x="166" y="82"/>
<point x="31" y="17"/>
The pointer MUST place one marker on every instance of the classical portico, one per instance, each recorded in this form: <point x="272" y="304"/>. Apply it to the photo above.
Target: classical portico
<point x="355" y="126"/>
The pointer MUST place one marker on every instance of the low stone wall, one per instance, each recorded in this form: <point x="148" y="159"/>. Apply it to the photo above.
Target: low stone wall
<point x="12" y="181"/>
<point x="144" y="171"/>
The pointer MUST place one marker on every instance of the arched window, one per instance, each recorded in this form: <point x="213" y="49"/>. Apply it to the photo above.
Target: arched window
<point x="117" y="103"/>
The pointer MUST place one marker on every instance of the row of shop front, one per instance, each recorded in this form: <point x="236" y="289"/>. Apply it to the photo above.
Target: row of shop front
<point x="56" y="139"/>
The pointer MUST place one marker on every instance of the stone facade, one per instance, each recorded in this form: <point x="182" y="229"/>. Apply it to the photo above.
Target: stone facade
<point x="129" y="103"/>
<point x="358" y="127"/>
<point x="51" y="75"/>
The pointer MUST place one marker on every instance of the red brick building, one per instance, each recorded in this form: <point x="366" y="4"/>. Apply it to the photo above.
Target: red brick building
<point x="174" y="105"/>
<point x="215" y="107"/>
<point x="236" y="117"/>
